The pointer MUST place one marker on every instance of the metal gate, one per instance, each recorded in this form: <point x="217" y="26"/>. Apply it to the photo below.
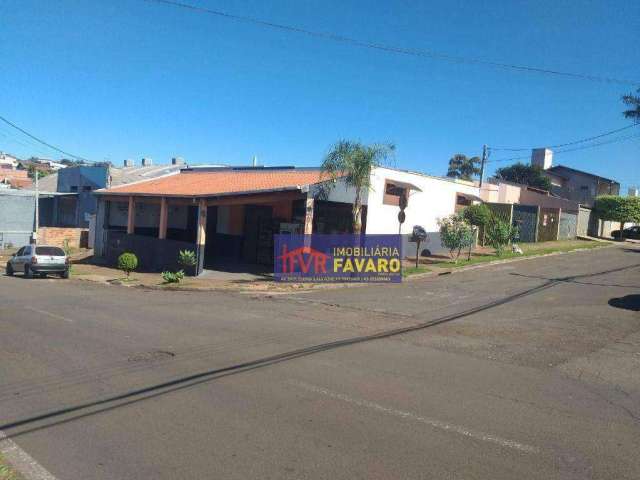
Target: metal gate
<point x="548" y="221"/>
<point x="525" y="219"/>
<point x="568" y="226"/>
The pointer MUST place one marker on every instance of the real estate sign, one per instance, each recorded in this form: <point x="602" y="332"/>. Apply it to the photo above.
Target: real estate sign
<point x="338" y="258"/>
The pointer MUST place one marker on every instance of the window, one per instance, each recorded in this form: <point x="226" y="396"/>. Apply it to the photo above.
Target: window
<point x="51" y="251"/>
<point x="20" y="252"/>
<point x="86" y="188"/>
<point x="74" y="188"/>
<point x="392" y="193"/>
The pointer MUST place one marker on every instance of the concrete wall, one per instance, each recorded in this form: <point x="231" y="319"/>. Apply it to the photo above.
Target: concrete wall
<point x="436" y="199"/>
<point x="17" y="217"/>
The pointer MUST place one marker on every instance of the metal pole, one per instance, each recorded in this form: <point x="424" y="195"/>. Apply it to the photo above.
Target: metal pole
<point x="484" y="159"/>
<point x="37" y="213"/>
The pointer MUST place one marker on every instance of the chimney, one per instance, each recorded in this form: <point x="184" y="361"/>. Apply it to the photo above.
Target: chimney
<point x="177" y="161"/>
<point x="542" y="157"/>
<point x="129" y="163"/>
<point x="254" y="161"/>
<point x="147" y="162"/>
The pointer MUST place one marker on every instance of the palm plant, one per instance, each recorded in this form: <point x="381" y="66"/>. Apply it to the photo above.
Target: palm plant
<point x="632" y="101"/>
<point x="463" y="167"/>
<point x="353" y="161"/>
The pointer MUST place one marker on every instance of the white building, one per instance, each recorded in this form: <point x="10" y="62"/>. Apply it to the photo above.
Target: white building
<point x="429" y="199"/>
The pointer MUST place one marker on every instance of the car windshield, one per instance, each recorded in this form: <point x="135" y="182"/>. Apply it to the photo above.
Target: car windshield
<point x="53" y="251"/>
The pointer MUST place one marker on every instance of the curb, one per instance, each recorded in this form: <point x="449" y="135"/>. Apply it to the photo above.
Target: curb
<point x="505" y="260"/>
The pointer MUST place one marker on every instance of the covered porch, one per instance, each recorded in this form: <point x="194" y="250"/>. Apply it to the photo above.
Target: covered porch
<point x="231" y="233"/>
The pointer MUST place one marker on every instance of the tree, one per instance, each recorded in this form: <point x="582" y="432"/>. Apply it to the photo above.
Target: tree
<point x="31" y="172"/>
<point x="618" y="209"/>
<point x="352" y="161"/>
<point x="634" y="102"/>
<point x="478" y="215"/>
<point x="455" y="234"/>
<point x="532" y="175"/>
<point x="463" y="167"/>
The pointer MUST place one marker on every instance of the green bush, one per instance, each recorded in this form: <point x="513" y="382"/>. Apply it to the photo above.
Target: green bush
<point x="499" y="234"/>
<point x="477" y="215"/>
<point x="127" y="262"/>
<point x="455" y="234"/>
<point x="173" y="277"/>
<point x="187" y="258"/>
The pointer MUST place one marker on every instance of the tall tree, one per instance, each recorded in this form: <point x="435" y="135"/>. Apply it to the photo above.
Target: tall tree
<point x="353" y="162"/>
<point x="531" y="175"/>
<point x="618" y="209"/>
<point x="634" y="102"/>
<point x="463" y="167"/>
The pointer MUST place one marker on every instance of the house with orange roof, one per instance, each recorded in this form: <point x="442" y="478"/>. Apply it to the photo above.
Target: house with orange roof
<point x="229" y="215"/>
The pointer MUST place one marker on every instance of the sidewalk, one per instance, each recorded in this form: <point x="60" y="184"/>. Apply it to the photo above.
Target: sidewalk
<point x="84" y="270"/>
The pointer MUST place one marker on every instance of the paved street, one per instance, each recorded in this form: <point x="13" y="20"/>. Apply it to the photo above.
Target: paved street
<point x="527" y="369"/>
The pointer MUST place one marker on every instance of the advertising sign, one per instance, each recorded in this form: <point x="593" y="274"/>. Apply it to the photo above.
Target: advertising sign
<point x="338" y="258"/>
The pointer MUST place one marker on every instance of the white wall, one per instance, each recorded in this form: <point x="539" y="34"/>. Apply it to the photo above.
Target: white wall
<point x="338" y="192"/>
<point x="436" y="199"/>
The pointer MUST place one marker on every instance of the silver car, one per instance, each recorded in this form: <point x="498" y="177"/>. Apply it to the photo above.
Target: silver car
<point x="33" y="260"/>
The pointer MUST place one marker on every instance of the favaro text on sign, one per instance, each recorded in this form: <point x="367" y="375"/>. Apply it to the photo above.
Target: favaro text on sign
<point x="338" y="258"/>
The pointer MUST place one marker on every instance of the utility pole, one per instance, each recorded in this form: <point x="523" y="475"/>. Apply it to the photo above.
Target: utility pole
<point x="484" y="160"/>
<point x="37" y="213"/>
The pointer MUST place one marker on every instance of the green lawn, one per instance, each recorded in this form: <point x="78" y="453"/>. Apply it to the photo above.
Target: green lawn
<point x="529" y="249"/>
<point x="6" y="472"/>
<point x="406" y="271"/>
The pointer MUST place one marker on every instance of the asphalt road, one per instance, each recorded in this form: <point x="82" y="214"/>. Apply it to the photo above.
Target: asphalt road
<point x="523" y="370"/>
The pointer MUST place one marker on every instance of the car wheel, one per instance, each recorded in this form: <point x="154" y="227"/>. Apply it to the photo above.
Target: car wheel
<point x="65" y="274"/>
<point x="9" y="270"/>
<point x="43" y="275"/>
<point x="27" y="272"/>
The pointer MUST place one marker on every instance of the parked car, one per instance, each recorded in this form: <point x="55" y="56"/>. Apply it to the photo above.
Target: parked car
<point x="39" y="260"/>
<point x="631" y="232"/>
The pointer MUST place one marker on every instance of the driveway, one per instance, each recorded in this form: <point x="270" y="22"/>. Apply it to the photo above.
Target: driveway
<point x="520" y="370"/>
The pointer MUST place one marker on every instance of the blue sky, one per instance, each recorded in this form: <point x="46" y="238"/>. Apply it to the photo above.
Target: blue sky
<point x="130" y="78"/>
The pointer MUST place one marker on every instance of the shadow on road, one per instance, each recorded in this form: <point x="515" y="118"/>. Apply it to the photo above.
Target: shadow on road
<point x="82" y="410"/>
<point x="628" y="302"/>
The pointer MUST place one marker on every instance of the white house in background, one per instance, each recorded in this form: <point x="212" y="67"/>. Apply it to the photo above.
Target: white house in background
<point x="429" y="199"/>
<point x="8" y="161"/>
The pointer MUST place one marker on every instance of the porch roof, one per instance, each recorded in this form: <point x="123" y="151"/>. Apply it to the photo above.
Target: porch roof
<point x="220" y="182"/>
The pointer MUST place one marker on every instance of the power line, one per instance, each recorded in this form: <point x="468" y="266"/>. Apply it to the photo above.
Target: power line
<point x="575" y="142"/>
<point x="566" y="150"/>
<point x="390" y="48"/>
<point x="8" y="122"/>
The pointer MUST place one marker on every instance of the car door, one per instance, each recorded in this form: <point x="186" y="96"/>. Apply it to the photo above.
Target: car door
<point x="26" y="257"/>
<point x="16" y="261"/>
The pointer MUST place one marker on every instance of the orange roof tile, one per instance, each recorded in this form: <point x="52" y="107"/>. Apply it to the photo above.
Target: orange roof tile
<point x="222" y="182"/>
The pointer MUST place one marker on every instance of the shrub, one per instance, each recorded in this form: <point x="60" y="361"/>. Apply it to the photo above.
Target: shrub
<point x="499" y="234"/>
<point x="127" y="262"/>
<point x="173" y="277"/>
<point x="477" y="215"/>
<point x="187" y="258"/>
<point x="455" y="234"/>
